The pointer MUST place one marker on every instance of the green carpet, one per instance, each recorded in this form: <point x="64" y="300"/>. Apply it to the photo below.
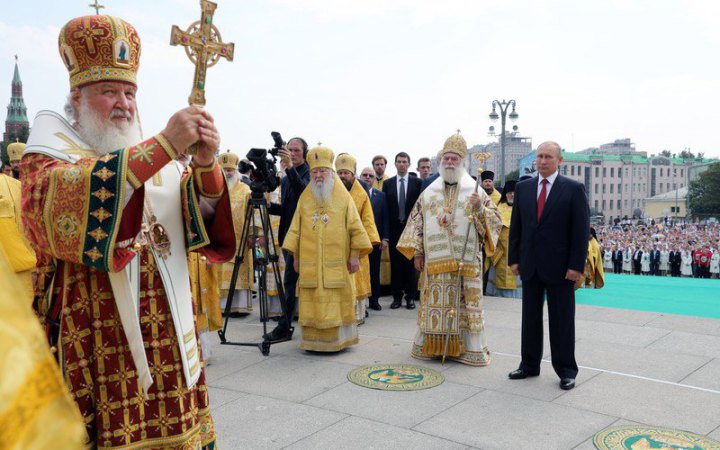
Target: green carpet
<point x="684" y="296"/>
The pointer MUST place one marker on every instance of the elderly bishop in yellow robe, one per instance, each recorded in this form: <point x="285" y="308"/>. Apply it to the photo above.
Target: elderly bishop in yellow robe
<point x="239" y="202"/>
<point x="450" y="318"/>
<point x="327" y="238"/>
<point x="346" y="167"/>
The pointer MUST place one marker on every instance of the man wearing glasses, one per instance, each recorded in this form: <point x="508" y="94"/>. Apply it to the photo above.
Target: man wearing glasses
<point x="379" y="207"/>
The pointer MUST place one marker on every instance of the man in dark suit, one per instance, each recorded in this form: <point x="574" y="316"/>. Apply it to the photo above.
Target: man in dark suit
<point x="380" y="211"/>
<point x="401" y="193"/>
<point x="675" y="262"/>
<point x="637" y="261"/>
<point x="549" y="232"/>
<point x="655" y="261"/>
<point x="617" y="259"/>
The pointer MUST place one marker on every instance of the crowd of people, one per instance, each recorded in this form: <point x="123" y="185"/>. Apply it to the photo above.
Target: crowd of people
<point x="682" y="250"/>
<point x="126" y="248"/>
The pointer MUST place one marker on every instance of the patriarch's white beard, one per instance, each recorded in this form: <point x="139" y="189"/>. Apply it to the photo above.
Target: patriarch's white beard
<point x="323" y="189"/>
<point x="451" y="174"/>
<point x="103" y="134"/>
<point x="232" y="178"/>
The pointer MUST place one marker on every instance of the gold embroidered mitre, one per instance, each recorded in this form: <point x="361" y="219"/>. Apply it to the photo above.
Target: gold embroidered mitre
<point x="455" y="144"/>
<point x="15" y="151"/>
<point x="320" y="157"/>
<point x="229" y="160"/>
<point x="346" y="161"/>
<point x="99" y="48"/>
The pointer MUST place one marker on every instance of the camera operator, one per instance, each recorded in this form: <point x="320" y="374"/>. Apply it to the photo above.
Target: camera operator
<point x="297" y="176"/>
<point x="246" y="171"/>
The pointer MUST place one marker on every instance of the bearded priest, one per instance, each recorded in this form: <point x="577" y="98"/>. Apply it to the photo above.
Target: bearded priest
<point x="111" y="216"/>
<point x="239" y="202"/>
<point x="346" y="167"/>
<point x="327" y="240"/>
<point x="450" y="318"/>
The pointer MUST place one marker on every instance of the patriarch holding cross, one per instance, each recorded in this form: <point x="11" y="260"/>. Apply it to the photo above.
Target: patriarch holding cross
<point x="111" y="216"/>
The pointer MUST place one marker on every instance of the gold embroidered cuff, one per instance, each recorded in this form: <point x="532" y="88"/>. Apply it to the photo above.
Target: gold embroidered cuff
<point x="147" y="158"/>
<point x="210" y="180"/>
<point x="167" y="146"/>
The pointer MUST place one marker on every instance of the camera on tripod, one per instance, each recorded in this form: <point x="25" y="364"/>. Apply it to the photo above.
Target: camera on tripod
<point x="266" y="177"/>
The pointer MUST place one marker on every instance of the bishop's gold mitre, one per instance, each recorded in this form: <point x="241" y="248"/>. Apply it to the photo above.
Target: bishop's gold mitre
<point x="345" y="161"/>
<point x="455" y="144"/>
<point x="228" y="160"/>
<point x="15" y="151"/>
<point x="320" y="157"/>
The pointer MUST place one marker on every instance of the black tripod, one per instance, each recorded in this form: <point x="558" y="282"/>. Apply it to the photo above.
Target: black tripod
<point x="263" y="252"/>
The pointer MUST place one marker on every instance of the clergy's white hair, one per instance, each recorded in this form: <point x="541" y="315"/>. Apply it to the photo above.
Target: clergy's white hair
<point x="100" y="133"/>
<point x="322" y="190"/>
<point x="232" y="178"/>
<point x="452" y="174"/>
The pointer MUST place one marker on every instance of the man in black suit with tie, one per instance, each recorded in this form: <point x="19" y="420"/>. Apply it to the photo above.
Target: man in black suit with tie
<point x="401" y="193"/>
<point x="549" y="232"/>
<point x="655" y="261"/>
<point x="380" y="212"/>
<point x="617" y="259"/>
<point x="675" y="262"/>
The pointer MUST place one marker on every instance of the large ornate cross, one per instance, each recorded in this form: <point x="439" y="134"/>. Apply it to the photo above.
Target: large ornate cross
<point x="204" y="47"/>
<point x="97" y="6"/>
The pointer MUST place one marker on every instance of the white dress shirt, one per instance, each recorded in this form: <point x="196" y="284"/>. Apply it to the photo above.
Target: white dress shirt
<point x="550" y="183"/>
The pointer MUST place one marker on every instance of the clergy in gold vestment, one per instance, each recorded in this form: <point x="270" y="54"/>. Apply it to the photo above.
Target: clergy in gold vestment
<point x="501" y="281"/>
<point x="36" y="409"/>
<point x="12" y="234"/>
<point x="239" y="202"/>
<point x="487" y="178"/>
<point x="111" y="217"/>
<point x="450" y="318"/>
<point x="594" y="275"/>
<point x="326" y="238"/>
<point x="346" y="167"/>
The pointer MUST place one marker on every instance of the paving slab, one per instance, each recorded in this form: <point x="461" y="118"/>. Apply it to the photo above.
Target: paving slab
<point x="390" y="326"/>
<point x="707" y="376"/>
<point x="614" y="315"/>
<point x="495" y="377"/>
<point x="400" y="408"/>
<point x="690" y="344"/>
<point x="503" y="319"/>
<point x="358" y="433"/>
<point x="507" y="340"/>
<point x="502" y="304"/>
<point x="254" y="422"/>
<point x="616" y="333"/>
<point x="286" y="378"/>
<point x="219" y="397"/>
<point x="495" y="420"/>
<point x="690" y="324"/>
<point x="659" y="404"/>
<point x="647" y="362"/>
<point x="227" y="359"/>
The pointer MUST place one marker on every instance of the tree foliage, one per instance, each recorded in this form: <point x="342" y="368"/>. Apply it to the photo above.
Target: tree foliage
<point x="704" y="192"/>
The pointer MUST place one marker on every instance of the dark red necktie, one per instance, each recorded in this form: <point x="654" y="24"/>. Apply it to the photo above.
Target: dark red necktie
<point x="541" y="198"/>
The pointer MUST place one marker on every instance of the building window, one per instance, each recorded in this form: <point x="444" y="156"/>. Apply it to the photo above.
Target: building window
<point x="612" y="172"/>
<point x="603" y="208"/>
<point x="681" y="172"/>
<point x="596" y="205"/>
<point x="603" y="188"/>
<point x="604" y="172"/>
<point x="661" y="171"/>
<point x="596" y="188"/>
<point x="619" y="188"/>
<point x="611" y="191"/>
<point x="625" y="203"/>
<point x="572" y="170"/>
<point x="667" y="186"/>
<point x="597" y="172"/>
<point x="611" y="205"/>
<point x="675" y="171"/>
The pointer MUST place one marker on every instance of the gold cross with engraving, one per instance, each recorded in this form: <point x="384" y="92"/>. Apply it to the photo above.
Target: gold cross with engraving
<point x="97" y="6"/>
<point x="315" y="217"/>
<point x="88" y="33"/>
<point x="204" y="47"/>
<point x="481" y="158"/>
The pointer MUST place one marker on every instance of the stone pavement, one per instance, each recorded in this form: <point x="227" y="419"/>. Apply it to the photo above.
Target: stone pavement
<point x="635" y="368"/>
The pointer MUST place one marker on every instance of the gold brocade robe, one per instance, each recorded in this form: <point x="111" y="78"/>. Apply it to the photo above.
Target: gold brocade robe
<point x="12" y="235"/>
<point x="451" y="307"/>
<point x="594" y="276"/>
<point x="323" y="237"/>
<point x="495" y="196"/>
<point x="385" y="254"/>
<point x="504" y="278"/>
<point x="362" y="276"/>
<point x="239" y="202"/>
<point x="205" y="292"/>
<point x="36" y="409"/>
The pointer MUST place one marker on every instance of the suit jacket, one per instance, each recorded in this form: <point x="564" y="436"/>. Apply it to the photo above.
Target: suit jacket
<point x="428" y="181"/>
<point x="558" y="241"/>
<point x="412" y="192"/>
<point x="617" y="255"/>
<point x="655" y="256"/>
<point x="675" y="258"/>
<point x="380" y="211"/>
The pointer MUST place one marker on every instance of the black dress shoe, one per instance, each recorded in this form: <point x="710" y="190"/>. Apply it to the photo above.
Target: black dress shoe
<point x="521" y="374"/>
<point x="410" y="304"/>
<point x="567" y="383"/>
<point x="278" y="334"/>
<point x="396" y="303"/>
<point x="374" y="305"/>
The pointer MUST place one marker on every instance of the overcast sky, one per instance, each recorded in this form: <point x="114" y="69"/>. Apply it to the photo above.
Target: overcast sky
<point x="383" y="76"/>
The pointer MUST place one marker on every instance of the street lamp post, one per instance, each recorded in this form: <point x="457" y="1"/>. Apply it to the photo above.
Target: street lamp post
<point x="503" y="106"/>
